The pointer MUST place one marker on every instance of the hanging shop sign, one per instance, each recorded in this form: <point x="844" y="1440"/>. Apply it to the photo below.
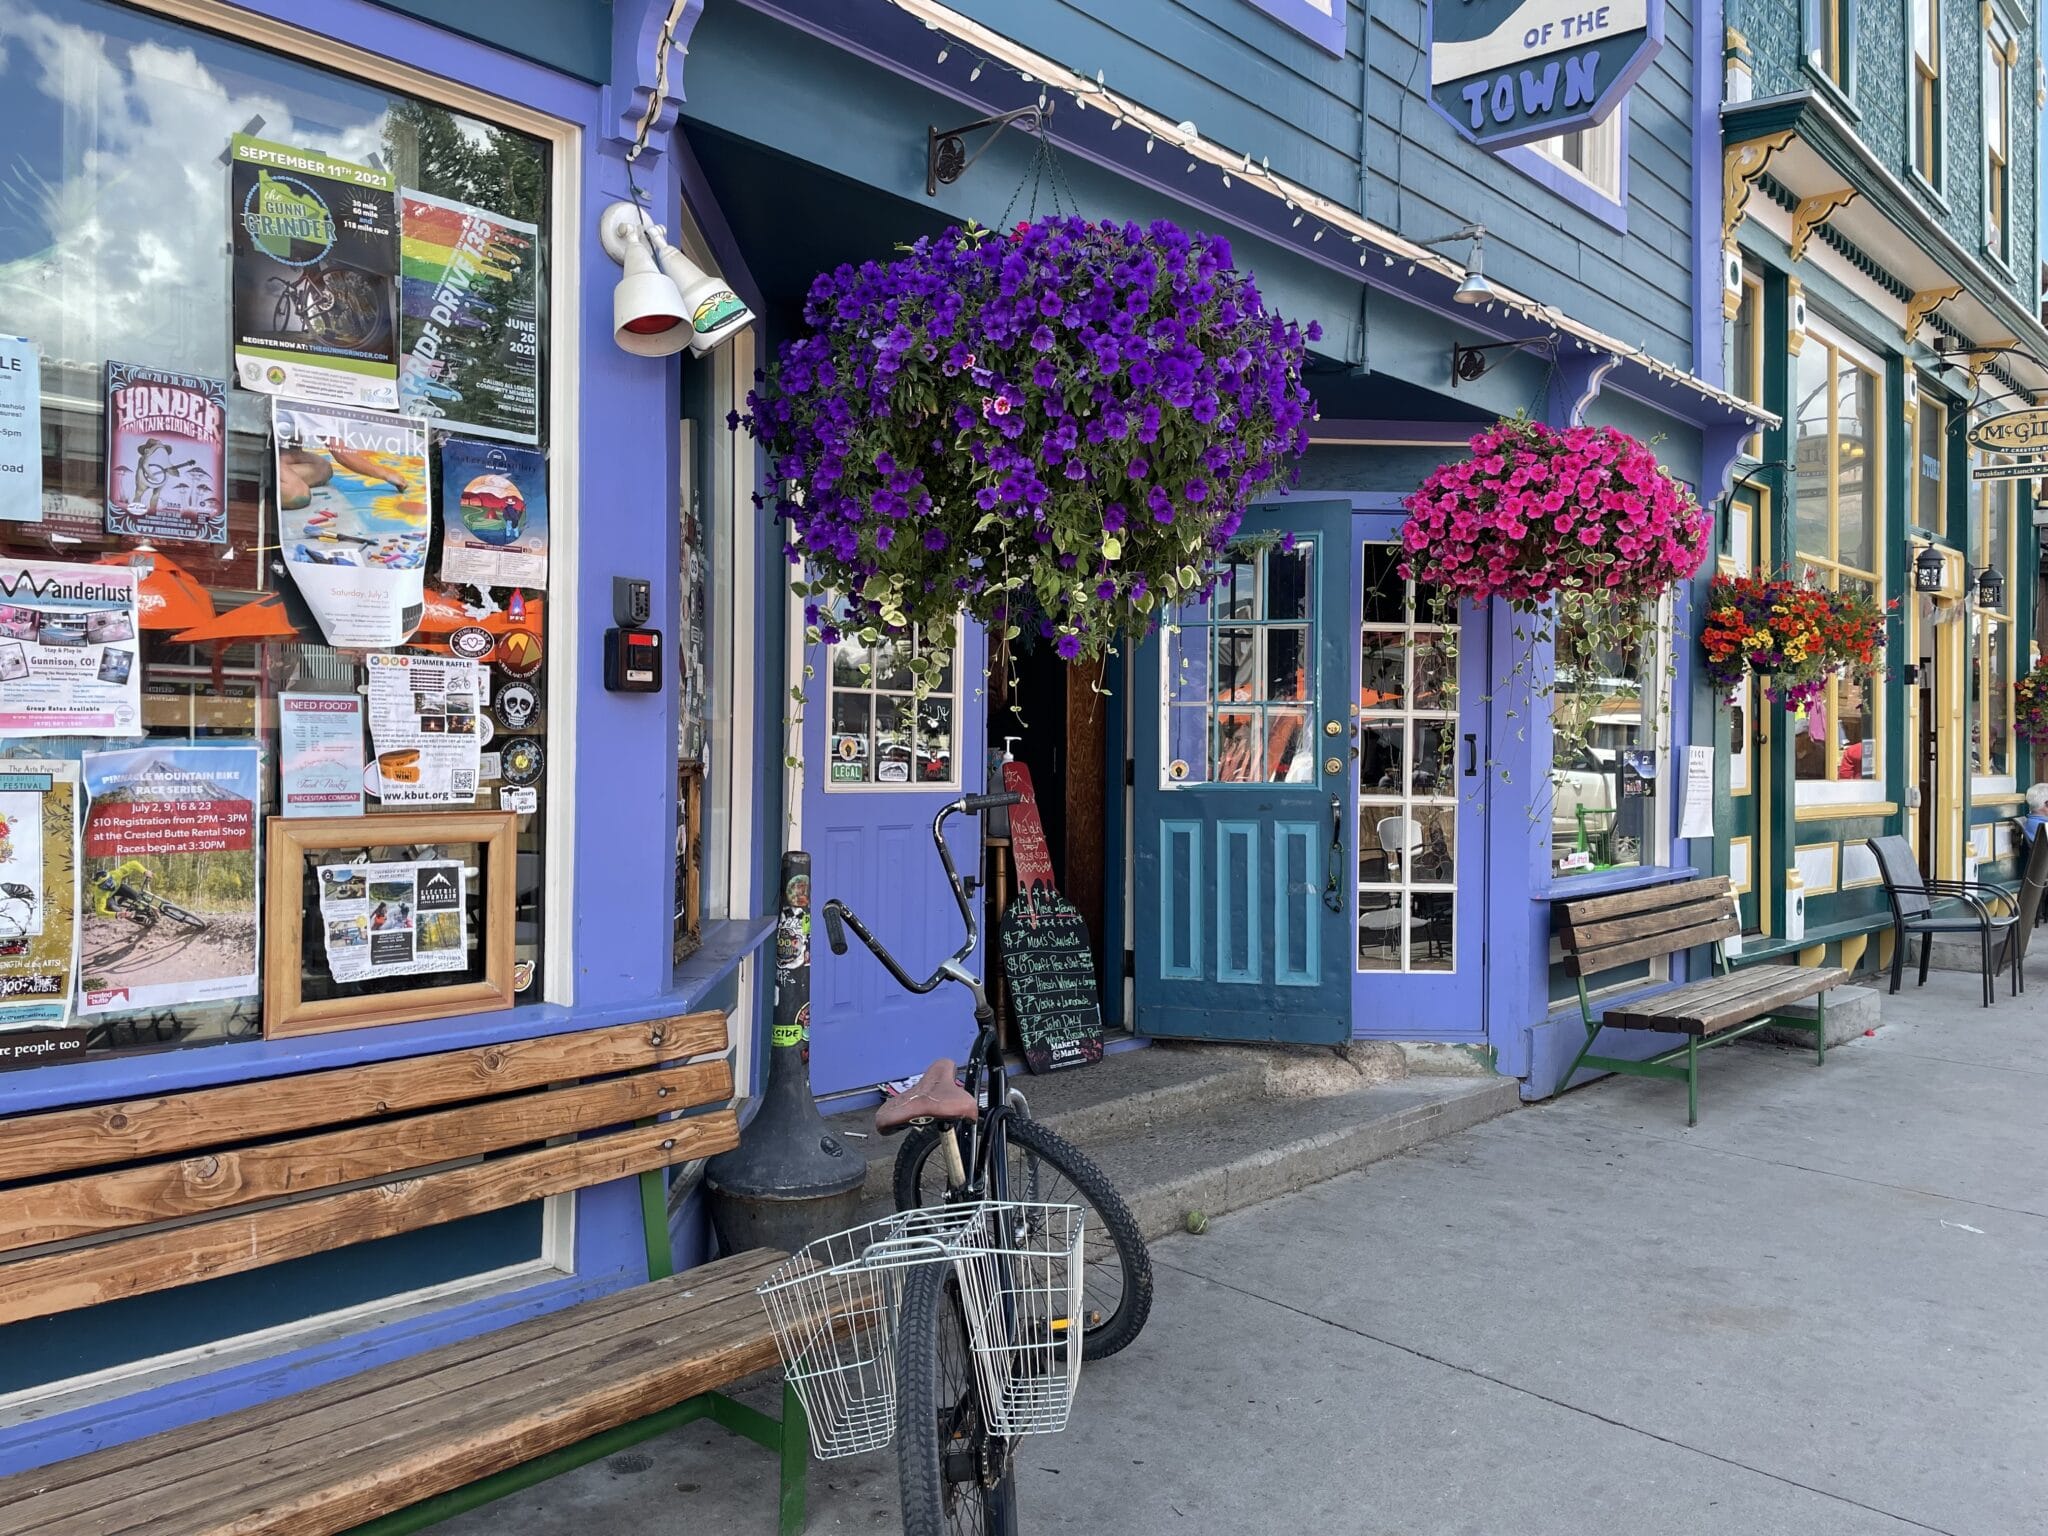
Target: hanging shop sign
<point x="68" y="650"/>
<point x="169" y="876"/>
<point x="1506" y="73"/>
<point x="2021" y="435"/>
<point x="38" y="893"/>
<point x="469" y="291"/>
<point x="315" y="276"/>
<point x="21" y="431"/>
<point x="167" y="454"/>
<point x="354" y="513"/>
<point x="494" y="516"/>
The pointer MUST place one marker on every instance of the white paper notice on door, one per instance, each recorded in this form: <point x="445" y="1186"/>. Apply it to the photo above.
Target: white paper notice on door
<point x="1696" y="812"/>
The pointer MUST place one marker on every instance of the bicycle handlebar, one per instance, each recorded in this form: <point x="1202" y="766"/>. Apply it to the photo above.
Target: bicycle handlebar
<point x="974" y="805"/>
<point x="839" y="916"/>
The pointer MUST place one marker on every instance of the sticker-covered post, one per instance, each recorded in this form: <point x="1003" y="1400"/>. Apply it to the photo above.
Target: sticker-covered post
<point x="790" y="1179"/>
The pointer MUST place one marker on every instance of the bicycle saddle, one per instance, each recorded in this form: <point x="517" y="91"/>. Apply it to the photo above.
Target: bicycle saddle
<point x="935" y="1096"/>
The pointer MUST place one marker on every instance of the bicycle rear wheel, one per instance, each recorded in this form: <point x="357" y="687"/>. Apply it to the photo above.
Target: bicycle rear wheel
<point x="1044" y="1167"/>
<point x="956" y="1478"/>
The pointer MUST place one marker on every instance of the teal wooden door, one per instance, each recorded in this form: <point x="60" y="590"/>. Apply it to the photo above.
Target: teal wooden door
<point x="1241" y="761"/>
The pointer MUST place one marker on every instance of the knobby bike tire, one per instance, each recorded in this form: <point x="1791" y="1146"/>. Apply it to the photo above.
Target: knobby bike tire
<point x="178" y="914"/>
<point x="1106" y="1215"/>
<point x="938" y="1402"/>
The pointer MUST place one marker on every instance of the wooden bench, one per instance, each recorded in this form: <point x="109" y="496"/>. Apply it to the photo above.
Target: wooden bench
<point x="1605" y="933"/>
<point x="125" y="1199"/>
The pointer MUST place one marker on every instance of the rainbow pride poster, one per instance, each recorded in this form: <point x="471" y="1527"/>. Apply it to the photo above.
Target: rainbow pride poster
<point x="469" y="330"/>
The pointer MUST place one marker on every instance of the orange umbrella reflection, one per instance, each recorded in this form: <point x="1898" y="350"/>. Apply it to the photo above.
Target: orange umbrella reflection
<point x="168" y="596"/>
<point x="263" y="619"/>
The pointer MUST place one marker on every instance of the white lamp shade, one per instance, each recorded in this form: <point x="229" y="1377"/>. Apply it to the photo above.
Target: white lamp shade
<point x="649" y="317"/>
<point x="714" y="310"/>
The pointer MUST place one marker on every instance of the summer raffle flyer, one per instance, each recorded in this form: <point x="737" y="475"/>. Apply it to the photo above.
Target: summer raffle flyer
<point x="315" y="275"/>
<point x="167" y="454"/>
<point x="355" y="510"/>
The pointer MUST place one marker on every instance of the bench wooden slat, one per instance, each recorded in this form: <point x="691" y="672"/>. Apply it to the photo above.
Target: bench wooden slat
<point x="1591" y="909"/>
<point x="91" y="1204"/>
<point x="182" y="1469"/>
<point x="134" y="1266"/>
<point x="1683" y="1000"/>
<point x="60" y="1141"/>
<point x="1641" y="925"/>
<point x="1611" y="956"/>
<point x="1689" y="1012"/>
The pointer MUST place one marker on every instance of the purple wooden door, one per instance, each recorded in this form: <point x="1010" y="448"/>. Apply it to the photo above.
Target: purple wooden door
<point x="879" y="764"/>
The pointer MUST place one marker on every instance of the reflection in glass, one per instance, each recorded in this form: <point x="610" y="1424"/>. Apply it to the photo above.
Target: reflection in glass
<point x="1385" y="588"/>
<point x="1288" y="587"/>
<point x="1236" y="591"/>
<point x="1382" y="757"/>
<point x="892" y="666"/>
<point x="1382" y="660"/>
<point x="892" y="741"/>
<point x="1434" y="770"/>
<point x="850" y="663"/>
<point x="935" y="740"/>
<point x="1236" y="673"/>
<point x="1858" y="474"/>
<point x="1928" y="475"/>
<point x="1187" y="744"/>
<point x="1187" y="664"/>
<point x="1436" y="672"/>
<point x="1812" y="469"/>
<point x="1237" y="746"/>
<point x="1287" y="663"/>
<point x="1290" y="748"/>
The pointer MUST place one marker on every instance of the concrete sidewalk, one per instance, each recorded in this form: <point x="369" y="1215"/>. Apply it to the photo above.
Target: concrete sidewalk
<point x="1822" y="1313"/>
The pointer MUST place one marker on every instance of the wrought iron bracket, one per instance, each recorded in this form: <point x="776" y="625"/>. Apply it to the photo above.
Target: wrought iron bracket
<point x="1469" y="362"/>
<point x="946" y="158"/>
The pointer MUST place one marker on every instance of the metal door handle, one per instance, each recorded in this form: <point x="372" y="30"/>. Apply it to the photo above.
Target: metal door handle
<point x="1471" y="754"/>
<point x="1331" y="889"/>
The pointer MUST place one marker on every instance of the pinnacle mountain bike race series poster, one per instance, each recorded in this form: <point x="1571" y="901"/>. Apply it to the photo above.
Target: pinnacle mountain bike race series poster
<point x="169" y="886"/>
<point x="68" y="637"/>
<point x="167" y="454"/>
<point x="38" y="891"/>
<point x="355" y="511"/>
<point x="494" y="516"/>
<point x="316" y="276"/>
<point x="469" y="318"/>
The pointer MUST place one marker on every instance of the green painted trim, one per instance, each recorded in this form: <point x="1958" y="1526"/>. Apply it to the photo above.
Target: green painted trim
<point x="661" y="1260"/>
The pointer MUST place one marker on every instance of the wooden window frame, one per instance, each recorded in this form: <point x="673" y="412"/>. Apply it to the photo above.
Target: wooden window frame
<point x="1929" y="401"/>
<point x="2000" y="53"/>
<point x="1923" y="94"/>
<point x="1995" y="629"/>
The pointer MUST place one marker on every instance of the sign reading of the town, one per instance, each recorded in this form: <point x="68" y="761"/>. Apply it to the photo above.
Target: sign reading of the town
<point x="1509" y="71"/>
<point x="2023" y="434"/>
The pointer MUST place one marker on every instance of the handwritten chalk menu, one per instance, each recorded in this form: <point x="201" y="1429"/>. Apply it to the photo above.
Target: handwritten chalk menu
<point x="1046" y="955"/>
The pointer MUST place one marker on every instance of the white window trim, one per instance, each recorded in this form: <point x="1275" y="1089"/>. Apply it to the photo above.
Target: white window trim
<point x="1997" y="39"/>
<point x="1603" y="155"/>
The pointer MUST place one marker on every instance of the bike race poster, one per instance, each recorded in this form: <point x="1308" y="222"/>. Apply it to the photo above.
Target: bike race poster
<point x="68" y="638"/>
<point x="355" y="513"/>
<point x="469" y="318"/>
<point x="315" y="276"/>
<point x="21" y="431"/>
<point x="394" y="919"/>
<point x="167" y="454"/>
<point x="169" y="885"/>
<point x="38" y="891"/>
<point x="494" y="516"/>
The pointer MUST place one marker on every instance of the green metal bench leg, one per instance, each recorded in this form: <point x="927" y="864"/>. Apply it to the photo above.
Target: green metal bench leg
<point x="1692" y="1080"/>
<point x="1820" y="1029"/>
<point x="796" y="1462"/>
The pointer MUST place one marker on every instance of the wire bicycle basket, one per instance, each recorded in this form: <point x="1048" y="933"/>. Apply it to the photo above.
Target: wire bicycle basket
<point x="833" y="1305"/>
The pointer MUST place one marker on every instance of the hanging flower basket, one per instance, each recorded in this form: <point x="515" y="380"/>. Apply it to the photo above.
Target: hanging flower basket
<point x="1536" y="512"/>
<point x="1060" y="426"/>
<point x="2030" y="706"/>
<point x="1794" y="637"/>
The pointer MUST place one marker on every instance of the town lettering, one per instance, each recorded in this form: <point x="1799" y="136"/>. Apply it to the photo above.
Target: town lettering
<point x="1506" y="96"/>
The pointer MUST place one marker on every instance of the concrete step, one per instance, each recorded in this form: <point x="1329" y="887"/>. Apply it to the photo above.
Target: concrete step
<point x="1851" y="1012"/>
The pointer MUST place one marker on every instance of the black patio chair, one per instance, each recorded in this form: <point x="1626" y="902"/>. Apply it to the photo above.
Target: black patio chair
<point x="2033" y="885"/>
<point x="1929" y="907"/>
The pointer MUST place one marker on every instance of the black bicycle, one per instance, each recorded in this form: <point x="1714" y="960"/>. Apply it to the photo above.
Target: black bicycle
<point x="977" y="1141"/>
<point x="148" y="909"/>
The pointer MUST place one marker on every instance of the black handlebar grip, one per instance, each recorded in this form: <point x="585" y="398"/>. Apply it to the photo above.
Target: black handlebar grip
<point x="974" y="805"/>
<point x="835" y="928"/>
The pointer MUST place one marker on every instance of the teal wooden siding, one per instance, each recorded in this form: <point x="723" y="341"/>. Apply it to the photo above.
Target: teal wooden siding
<point x="574" y="36"/>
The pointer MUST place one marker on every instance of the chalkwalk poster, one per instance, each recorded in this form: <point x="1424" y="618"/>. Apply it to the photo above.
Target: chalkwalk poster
<point x="469" y="291"/>
<point x="354" y="515"/>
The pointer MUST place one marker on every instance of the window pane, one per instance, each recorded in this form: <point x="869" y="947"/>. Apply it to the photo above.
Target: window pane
<point x="852" y="742"/>
<point x="892" y="666"/>
<point x="1386" y="592"/>
<point x="1433" y="861"/>
<point x="1382" y="660"/>
<point x="935" y="741"/>
<point x="1187" y="664"/>
<point x="1187" y="745"/>
<point x="892" y="741"/>
<point x="1433" y="767"/>
<point x="1857" y="468"/>
<point x="1997" y="708"/>
<point x="1237" y="747"/>
<point x="940" y="651"/>
<point x="1812" y="469"/>
<point x="1931" y="457"/>
<point x="1290" y="747"/>
<point x="1287" y="663"/>
<point x="850" y="662"/>
<point x="1382" y="757"/>
<point x="1236" y="664"/>
<point x="1436" y="671"/>
<point x="1998" y="498"/>
<point x="1236" y="594"/>
<point x="1288" y="593"/>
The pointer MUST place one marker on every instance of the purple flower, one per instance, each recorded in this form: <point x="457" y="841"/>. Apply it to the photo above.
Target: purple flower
<point x="1069" y="647"/>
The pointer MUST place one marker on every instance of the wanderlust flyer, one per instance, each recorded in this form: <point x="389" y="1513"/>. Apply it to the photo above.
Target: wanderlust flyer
<point x="38" y="891"/>
<point x="494" y="516"/>
<point x="169" y="879"/>
<point x="315" y="276"/>
<point x="354" y="516"/>
<point x="68" y="650"/>
<point x="167" y="453"/>
<point x="469" y="302"/>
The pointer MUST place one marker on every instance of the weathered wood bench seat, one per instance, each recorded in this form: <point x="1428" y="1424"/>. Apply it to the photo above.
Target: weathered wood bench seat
<point x="264" y="1172"/>
<point x="1605" y="933"/>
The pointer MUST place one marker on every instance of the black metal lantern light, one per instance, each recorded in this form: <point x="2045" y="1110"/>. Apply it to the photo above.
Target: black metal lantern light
<point x="1928" y="568"/>
<point x="1990" y="589"/>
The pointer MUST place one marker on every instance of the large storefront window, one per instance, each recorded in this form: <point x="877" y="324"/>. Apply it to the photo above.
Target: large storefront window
<point x="284" y="548"/>
<point x="1838" y="458"/>
<point x="1606" y="706"/>
<point x="1993" y="508"/>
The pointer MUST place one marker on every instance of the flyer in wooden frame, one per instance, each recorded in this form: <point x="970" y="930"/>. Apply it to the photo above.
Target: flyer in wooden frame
<point x="354" y="941"/>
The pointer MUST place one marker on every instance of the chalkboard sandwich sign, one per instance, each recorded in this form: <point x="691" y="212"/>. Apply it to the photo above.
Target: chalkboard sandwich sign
<point x="1047" y="958"/>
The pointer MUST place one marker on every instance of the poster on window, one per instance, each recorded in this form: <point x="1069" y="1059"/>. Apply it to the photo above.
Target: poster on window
<point x="38" y="891"/>
<point x="315" y="276"/>
<point x="402" y="919"/>
<point x="21" y="431"/>
<point x="469" y="318"/>
<point x="424" y="727"/>
<point x="169" y="876"/>
<point x="354" y="515"/>
<point x="494" y="516"/>
<point x="167" y="450"/>
<point x="68" y="650"/>
<point x="320" y="753"/>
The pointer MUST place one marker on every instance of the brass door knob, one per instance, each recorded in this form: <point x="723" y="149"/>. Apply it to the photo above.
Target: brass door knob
<point x="1332" y="765"/>
<point x="1332" y="728"/>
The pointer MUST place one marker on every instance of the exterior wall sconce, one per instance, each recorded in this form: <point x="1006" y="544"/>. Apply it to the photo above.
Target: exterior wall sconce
<point x="1928" y="569"/>
<point x="663" y="304"/>
<point x="1990" y="589"/>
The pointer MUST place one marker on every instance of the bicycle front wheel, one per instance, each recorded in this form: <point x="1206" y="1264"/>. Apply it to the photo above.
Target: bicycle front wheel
<point x="957" y="1479"/>
<point x="1045" y="1168"/>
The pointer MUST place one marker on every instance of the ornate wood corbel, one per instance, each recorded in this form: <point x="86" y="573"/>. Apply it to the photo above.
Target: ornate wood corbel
<point x="650" y="40"/>
<point x="1740" y="167"/>
<point x="1925" y="303"/>
<point x="1815" y="211"/>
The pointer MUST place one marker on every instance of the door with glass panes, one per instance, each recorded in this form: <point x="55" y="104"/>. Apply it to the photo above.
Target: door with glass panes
<point x="1419" y="780"/>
